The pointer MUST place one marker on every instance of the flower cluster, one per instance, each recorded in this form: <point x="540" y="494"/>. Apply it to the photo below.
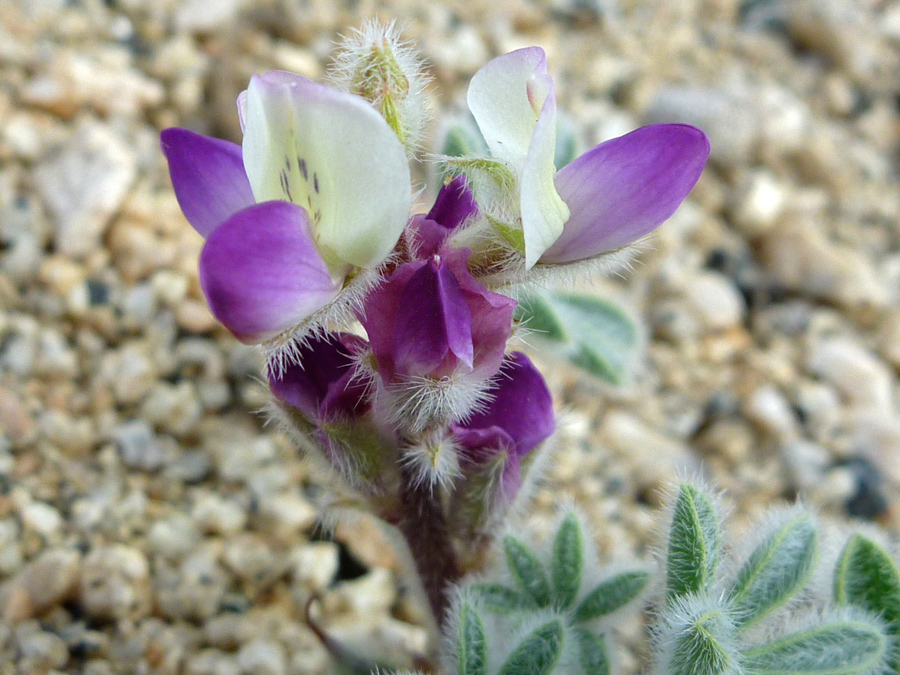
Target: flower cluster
<point x="387" y="334"/>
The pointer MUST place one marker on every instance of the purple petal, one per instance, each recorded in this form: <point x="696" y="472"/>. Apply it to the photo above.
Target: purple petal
<point x="322" y="385"/>
<point x="492" y="314"/>
<point x="625" y="188"/>
<point x="432" y="320"/>
<point x="261" y="271"/>
<point x="521" y="407"/>
<point x="208" y="176"/>
<point x="454" y="205"/>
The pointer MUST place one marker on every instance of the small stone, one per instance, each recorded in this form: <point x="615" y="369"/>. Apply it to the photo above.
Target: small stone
<point x="715" y="300"/>
<point x="218" y="515"/>
<point x="130" y="373"/>
<point x="175" y="537"/>
<point x="261" y="657"/>
<point x="139" y="446"/>
<point x="198" y="16"/>
<point x="769" y="408"/>
<point x="173" y="408"/>
<point x="115" y="583"/>
<point x="760" y="200"/>
<point x="42" y="518"/>
<point x="40" y="651"/>
<point x="861" y="378"/>
<point x="806" y="461"/>
<point x="314" y="565"/>
<point x="868" y="500"/>
<point x="289" y="514"/>
<point x="193" y="591"/>
<point x="212" y="662"/>
<point x="51" y="578"/>
<point x="251" y="560"/>
<point x="84" y="185"/>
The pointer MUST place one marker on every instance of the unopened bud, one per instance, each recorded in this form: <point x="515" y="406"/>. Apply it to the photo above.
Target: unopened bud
<point x="376" y="64"/>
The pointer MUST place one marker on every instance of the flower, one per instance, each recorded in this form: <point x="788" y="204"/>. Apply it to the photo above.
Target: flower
<point x="437" y="336"/>
<point x="320" y="188"/>
<point x="325" y="383"/>
<point x="518" y="418"/>
<point x="607" y="198"/>
<point x="455" y="205"/>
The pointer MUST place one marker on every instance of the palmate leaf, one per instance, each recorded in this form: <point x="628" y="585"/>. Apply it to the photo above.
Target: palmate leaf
<point x="499" y="599"/>
<point x="776" y="570"/>
<point x="472" y="644"/>
<point x="527" y="571"/>
<point x="592" y="333"/>
<point x="867" y="577"/>
<point x="850" y="647"/>
<point x="538" y="653"/>
<point x="695" y="542"/>
<point x="612" y="594"/>
<point x="568" y="561"/>
<point x="594" y="656"/>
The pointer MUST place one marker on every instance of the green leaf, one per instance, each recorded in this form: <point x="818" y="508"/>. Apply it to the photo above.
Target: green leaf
<point x="538" y="653"/>
<point x="590" y="332"/>
<point x="611" y="594"/>
<point x="867" y="577"/>
<point x="699" y="648"/>
<point x="472" y="647"/>
<point x="527" y="571"/>
<point x="775" y="571"/>
<point x="568" y="561"/>
<point x="499" y="599"/>
<point x="840" y="648"/>
<point x="694" y="544"/>
<point x="594" y="656"/>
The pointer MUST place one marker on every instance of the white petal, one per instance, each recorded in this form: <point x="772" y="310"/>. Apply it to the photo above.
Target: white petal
<point x="500" y="101"/>
<point x="334" y="155"/>
<point x="543" y="211"/>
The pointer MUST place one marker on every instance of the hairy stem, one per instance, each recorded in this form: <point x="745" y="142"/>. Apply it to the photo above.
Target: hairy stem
<point x="425" y="529"/>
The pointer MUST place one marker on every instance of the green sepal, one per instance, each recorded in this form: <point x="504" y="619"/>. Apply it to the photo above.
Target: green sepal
<point x="568" y="561"/>
<point x="694" y="544"/>
<point x="499" y="599"/>
<point x="593" y="654"/>
<point x="839" y="648"/>
<point x="867" y="577"/>
<point x="775" y="571"/>
<point x="462" y="140"/>
<point x="611" y="595"/>
<point x="592" y="333"/>
<point x="538" y="653"/>
<point x="472" y="647"/>
<point x="527" y="571"/>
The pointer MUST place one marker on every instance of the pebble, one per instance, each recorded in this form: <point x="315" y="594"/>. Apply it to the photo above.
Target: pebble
<point x="45" y="582"/>
<point x="771" y="410"/>
<point x="193" y="590"/>
<point x="84" y="185"/>
<point x="261" y="657"/>
<point x="173" y="537"/>
<point x="139" y="446"/>
<point x="218" y="515"/>
<point x="862" y="379"/>
<point x="715" y="300"/>
<point x="115" y="583"/>
<point x="314" y="566"/>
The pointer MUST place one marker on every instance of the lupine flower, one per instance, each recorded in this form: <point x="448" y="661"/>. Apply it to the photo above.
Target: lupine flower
<point x="319" y="189"/>
<point x="518" y="418"/>
<point x="437" y="334"/>
<point x="607" y="198"/>
<point x="455" y="205"/>
<point x="325" y="384"/>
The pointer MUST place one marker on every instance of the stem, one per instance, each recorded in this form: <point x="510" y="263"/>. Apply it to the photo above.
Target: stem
<point x="425" y="529"/>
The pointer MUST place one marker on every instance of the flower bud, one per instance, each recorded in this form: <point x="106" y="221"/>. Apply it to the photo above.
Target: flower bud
<point x="438" y="336"/>
<point x="375" y="64"/>
<point x="517" y="419"/>
<point x="455" y="206"/>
